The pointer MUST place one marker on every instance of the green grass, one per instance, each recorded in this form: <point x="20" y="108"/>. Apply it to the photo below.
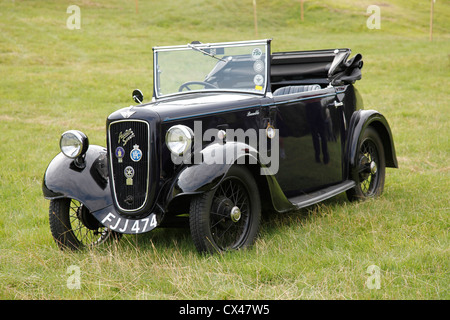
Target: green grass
<point x="53" y="79"/>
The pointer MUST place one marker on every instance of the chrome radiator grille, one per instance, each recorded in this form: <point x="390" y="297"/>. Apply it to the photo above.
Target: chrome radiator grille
<point x="129" y="162"/>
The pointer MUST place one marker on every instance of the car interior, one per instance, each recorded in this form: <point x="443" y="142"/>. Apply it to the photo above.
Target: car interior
<point x="303" y="71"/>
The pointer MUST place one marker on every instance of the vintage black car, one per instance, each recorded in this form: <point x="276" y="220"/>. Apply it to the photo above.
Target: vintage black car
<point x="232" y="130"/>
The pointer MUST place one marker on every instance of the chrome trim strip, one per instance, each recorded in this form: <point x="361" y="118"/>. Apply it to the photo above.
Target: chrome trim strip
<point x="253" y="106"/>
<point x="212" y="112"/>
<point x="300" y="99"/>
<point x="215" y="44"/>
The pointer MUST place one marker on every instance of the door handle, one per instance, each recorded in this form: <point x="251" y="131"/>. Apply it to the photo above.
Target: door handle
<point x="338" y="104"/>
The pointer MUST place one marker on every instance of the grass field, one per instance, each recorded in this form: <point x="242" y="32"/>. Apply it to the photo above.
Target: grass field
<point x="53" y="79"/>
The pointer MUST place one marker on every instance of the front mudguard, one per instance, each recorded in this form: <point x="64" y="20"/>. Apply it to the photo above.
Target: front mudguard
<point x="89" y="184"/>
<point x="197" y="178"/>
<point x="215" y="161"/>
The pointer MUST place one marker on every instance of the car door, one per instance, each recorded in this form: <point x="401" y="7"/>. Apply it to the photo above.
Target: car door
<point x="310" y="150"/>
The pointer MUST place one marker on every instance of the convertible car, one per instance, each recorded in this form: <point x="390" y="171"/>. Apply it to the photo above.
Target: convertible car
<point x="232" y="129"/>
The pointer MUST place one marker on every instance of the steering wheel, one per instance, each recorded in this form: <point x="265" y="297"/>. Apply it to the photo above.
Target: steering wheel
<point x="202" y="83"/>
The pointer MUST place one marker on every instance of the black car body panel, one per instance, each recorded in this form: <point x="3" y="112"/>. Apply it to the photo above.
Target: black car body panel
<point x="90" y="185"/>
<point x="309" y="98"/>
<point x="360" y="120"/>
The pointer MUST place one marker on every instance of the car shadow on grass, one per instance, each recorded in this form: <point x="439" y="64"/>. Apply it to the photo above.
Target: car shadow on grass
<point x="274" y="221"/>
<point x="179" y="238"/>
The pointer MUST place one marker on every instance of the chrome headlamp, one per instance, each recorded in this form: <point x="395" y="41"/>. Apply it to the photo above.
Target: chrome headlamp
<point x="73" y="144"/>
<point x="179" y="139"/>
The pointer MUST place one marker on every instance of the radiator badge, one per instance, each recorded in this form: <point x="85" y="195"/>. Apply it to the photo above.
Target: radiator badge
<point x="126" y="136"/>
<point x="129" y="174"/>
<point x="136" y="153"/>
<point x="120" y="152"/>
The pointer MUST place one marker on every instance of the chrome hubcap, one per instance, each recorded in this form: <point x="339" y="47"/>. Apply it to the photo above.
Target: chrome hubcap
<point x="235" y="214"/>
<point x="373" y="167"/>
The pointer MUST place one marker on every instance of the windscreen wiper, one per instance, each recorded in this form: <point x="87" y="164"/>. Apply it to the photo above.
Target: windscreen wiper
<point x="190" y="45"/>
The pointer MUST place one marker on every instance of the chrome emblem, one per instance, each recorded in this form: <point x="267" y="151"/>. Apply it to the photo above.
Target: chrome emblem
<point x="126" y="136"/>
<point x="129" y="174"/>
<point x="128" y="113"/>
<point x="120" y="152"/>
<point x="270" y="131"/>
<point x="136" y="153"/>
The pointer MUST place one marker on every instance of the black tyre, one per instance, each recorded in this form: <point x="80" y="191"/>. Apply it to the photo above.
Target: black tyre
<point x="369" y="172"/>
<point x="74" y="227"/>
<point x="228" y="217"/>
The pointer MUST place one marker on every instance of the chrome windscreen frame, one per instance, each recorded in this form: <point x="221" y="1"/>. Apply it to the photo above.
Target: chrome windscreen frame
<point x="264" y="42"/>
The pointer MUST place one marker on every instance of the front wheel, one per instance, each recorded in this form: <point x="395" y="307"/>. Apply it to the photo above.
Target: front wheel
<point x="74" y="227"/>
<point x="227" y="217"/>
<point x="369" y="171"/>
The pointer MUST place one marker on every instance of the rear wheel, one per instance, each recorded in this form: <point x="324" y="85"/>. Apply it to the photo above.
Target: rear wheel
<point x="228" y="217"/>
<point x="74" y="227"/>
<point x="369" y="172"/>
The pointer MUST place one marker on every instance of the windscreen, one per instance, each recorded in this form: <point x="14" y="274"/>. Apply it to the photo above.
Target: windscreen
<point x="211" y="67"/>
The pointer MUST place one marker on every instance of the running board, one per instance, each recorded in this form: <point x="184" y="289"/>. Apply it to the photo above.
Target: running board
<point x="308" y="199"/>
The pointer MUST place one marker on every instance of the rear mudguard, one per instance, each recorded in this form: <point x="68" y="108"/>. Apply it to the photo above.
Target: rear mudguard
<point x="359" y="121"/>
<point x="89" y="184"/>
<point x="207" y="175"/>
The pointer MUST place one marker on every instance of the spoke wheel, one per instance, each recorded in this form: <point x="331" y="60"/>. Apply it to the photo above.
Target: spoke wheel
<point x="230" y="214"/>
<point x="369" y="174"/>
<point x="368" y="168"/>
<point x="74" y="227"/>
<point x="228" y="217"/>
